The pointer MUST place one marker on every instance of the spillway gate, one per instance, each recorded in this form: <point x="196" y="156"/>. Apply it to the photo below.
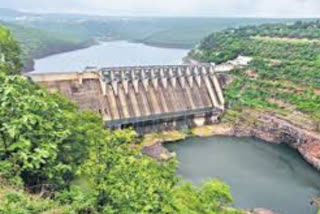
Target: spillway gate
<point x="142" y="96"/>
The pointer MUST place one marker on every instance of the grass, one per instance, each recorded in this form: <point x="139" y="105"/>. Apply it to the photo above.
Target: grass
<point x="212" y="130"/>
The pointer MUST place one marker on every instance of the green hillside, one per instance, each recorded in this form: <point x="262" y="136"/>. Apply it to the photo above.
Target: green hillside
<point x="43" y="35"/>
<point x="37" y="43"/>
<point x="283" y="77"/>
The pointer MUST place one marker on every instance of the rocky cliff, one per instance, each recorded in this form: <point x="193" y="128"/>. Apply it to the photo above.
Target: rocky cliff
<point x="276" y="130"/>
<point x="273" y="129"/>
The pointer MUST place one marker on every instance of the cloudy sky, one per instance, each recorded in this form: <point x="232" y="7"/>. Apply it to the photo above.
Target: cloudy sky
<point x="260" y="8"/>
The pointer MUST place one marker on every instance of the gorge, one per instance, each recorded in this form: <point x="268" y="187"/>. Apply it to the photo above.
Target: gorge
<point x="268" y="133"/>
<point x="109" y="124"/>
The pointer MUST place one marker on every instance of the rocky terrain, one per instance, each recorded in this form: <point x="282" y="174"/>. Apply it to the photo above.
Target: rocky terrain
<point x="268" y="127"/>
<point x="273" y="129"/>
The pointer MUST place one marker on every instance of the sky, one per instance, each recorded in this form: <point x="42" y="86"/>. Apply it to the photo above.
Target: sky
<point x="235" y="8"/>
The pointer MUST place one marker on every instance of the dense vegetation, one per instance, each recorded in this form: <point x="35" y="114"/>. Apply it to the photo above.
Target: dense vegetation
<point x="68" y="163"/>
<point x="37" y="42"/>
<point x="284" y="75"/>
<point x="38" y="133"/>
<point x="10" y="62"/>
<point x="42" y="35"/>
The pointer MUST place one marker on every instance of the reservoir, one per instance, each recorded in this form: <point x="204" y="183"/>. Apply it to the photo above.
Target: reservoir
<point x="115" y="53"/>
<point x="259" y="174"/>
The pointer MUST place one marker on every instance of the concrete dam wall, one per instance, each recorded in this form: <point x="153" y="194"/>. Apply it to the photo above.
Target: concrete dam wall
<point x="147" y="98"/>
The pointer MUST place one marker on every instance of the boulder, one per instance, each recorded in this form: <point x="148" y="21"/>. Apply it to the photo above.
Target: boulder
<point x="157" y="151"/>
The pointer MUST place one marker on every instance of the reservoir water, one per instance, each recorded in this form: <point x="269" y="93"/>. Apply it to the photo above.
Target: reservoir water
<point x="115" y="53"/>
<point x="259" y="174"/>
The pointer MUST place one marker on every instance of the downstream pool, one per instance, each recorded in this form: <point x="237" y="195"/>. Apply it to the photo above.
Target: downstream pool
<point x="115" y="53"/>
<point x="260" y="174"/>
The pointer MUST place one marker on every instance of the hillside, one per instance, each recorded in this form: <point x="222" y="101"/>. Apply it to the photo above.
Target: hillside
<point x="188" y="32"/>
<point x="46" y="34"/>
<point x="38" y="43"/>
<point x="10" y="14"/>
<point x="283" y="77"/>
<point x="55" y="158"/>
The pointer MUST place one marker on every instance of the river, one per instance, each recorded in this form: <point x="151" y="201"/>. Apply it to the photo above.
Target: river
<point x="260" y="174"/>
<point x="115" y="53"/>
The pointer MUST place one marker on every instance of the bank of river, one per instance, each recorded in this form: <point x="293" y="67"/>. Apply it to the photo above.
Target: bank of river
<point x="113" y="53"/>
<point x="260" y="174"/>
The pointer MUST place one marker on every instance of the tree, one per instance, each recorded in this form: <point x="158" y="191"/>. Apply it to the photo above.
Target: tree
<point x="43" y="137"/>
<point x="127" y="181"/>
<point x="10" y="53"/>
<point x="212" y="197"/>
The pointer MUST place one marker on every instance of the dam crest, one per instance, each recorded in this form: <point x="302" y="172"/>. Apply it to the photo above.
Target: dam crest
<point x="147" y="98"/>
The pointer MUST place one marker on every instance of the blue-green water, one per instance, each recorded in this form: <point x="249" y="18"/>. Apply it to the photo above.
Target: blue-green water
<point x="260" y="174"/>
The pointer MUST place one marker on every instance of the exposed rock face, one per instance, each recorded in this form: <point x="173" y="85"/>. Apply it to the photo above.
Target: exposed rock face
<point x="266" y="127"/>
<point x="157" y="151"/>
<point x="276" y="130"/>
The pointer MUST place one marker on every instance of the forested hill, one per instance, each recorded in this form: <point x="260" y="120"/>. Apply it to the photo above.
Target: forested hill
<point x="283" y="77"/>
<point x="43" y="39"/>
<point x="45" y="34"/>
<point x="38" y="43"/>
<point x="9" y="14"/>
<point x="222" y="46"/>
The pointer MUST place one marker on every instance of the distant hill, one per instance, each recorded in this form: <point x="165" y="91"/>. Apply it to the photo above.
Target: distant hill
<point x="37" y="43"/>
<point x="11" y="15"/>
<point x="5" y="12"/>
<point x="45" y="34"/>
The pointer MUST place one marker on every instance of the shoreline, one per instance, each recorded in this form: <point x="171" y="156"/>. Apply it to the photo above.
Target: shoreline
<point x="29" y="64"/>
<point x="268" y="128"/>
<point x="164" y="44"/>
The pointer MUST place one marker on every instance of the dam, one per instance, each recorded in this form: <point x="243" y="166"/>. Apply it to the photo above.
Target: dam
<point x="147" y="98"/>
